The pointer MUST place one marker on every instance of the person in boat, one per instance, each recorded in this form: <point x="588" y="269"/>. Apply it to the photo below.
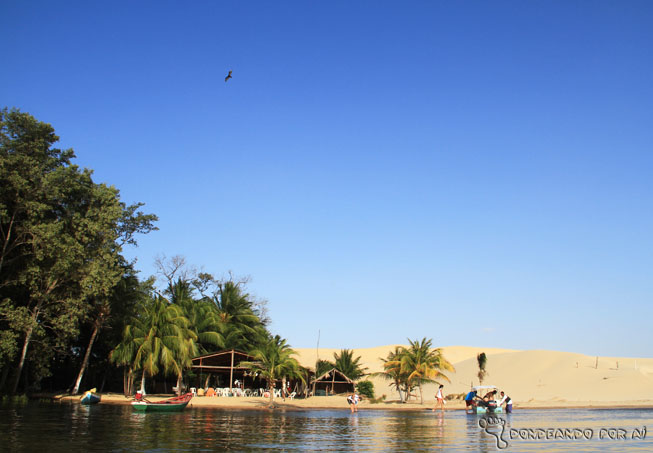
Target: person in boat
<point x="469" y="401"/>
<point x="439" y="399"/>
<point x="506" y="399"/>
<point x="489" y="396"/>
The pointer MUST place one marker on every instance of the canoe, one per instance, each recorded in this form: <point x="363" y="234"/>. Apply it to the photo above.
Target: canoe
<point x="175" y="404"/>
<point x="90" y="397"/>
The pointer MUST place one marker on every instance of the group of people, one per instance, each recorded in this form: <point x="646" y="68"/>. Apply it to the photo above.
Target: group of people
<point x="489" y="400"/>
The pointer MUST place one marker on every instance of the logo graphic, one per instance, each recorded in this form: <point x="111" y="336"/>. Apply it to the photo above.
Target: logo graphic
<point x="487" y="423"/>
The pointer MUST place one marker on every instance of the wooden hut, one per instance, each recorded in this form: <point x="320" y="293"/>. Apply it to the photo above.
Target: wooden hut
<point x="332" y="382"/>
<point x="226" y="364"/>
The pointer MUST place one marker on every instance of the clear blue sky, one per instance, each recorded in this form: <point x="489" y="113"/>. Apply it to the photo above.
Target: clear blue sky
<point x="479" y="173"/>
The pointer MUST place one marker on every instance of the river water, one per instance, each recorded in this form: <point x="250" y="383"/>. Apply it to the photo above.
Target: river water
<point x="52" y="427"/>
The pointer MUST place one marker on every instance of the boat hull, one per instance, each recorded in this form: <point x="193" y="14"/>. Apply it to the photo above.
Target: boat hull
<point x="484" y="410"/>
<point x="171" y="405"/>
<point x="145" y="407"/>
<point x="90" y="398"/>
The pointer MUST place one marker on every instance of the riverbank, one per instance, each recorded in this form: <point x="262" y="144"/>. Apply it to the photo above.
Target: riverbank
<point x="339" y="402"/>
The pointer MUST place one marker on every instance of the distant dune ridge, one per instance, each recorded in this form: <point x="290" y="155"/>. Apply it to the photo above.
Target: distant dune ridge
<point x="527" y="376"/>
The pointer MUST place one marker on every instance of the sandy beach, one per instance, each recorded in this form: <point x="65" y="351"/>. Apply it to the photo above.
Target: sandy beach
<point x="534" y="379"/>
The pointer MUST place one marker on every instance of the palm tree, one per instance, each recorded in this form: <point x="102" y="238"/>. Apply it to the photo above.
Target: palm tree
<point x="322" y="366"/>
<point x="392" y="371"/>
<point x="273" y="361"/>
<point x="482" y="362"/>
<point x="158" y="340"/>
<point x="347" y="365"/>
<point x="240" y="324"/>
<point x="423" y="364"/>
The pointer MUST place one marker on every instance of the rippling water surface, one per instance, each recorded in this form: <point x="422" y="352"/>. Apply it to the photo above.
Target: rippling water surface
<point x="52" y="427"/>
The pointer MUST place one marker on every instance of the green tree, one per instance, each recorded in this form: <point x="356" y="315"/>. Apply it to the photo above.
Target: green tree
<point x="392" y="372"/>
<point x="273" y="361"/>
<point x="348" y="365"/>
<point x="322" y="366"/>
<point x="240" y="324"/>
<point x="411" y="367"/>
<point x="159" y="340"/>
<point x="60" y="241"/>
<point x="482" y="363"/>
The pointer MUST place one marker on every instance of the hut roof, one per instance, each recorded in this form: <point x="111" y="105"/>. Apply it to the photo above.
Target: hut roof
<point x="338" y="378"/>
<point x="221" y="360"/>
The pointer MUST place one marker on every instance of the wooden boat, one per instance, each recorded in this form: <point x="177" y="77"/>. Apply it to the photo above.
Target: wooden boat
<point x="90" y="397"/>
<point x="177" y="403"/>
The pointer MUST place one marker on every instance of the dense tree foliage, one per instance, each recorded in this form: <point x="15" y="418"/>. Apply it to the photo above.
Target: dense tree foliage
<point x="61" y="238"/>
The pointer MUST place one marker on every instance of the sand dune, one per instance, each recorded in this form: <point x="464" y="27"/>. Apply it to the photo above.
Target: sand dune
<point x="527" y="376"/>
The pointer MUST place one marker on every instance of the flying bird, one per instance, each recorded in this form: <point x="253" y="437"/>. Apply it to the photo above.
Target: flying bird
<point x="228" y="76"/>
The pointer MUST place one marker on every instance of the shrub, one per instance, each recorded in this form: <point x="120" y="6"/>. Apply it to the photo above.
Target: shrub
<point x="365" y="388"/>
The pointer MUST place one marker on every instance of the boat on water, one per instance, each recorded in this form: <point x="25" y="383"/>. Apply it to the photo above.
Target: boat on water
<point x="90" y="397"/>
<point x="480" y="405"/>
<point x="178" y="403"/>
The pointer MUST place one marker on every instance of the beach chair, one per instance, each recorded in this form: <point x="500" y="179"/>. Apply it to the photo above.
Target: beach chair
<point x="292" y="395"/>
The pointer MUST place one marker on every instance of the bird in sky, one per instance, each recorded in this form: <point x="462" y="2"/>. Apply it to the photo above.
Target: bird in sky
<point x="228" y="76"/>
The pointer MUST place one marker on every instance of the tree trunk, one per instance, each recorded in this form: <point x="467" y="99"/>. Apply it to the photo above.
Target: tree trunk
<point x="283" y="388"/>
<point x="206" y="383"/>
<point x="96" y="329"/>
<point x="3" y="379"/>
<point x="271" y="386"/>
<point x="143" y="383"/>
<point x="179" y="380"/>
<point x="23" y="354"/>
<point x="421" y="395"/>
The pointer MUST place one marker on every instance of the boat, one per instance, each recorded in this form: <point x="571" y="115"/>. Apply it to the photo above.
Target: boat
<point x="90" y="397"/>
<point x="484" y="407"/>
<point x="178" y="403"/>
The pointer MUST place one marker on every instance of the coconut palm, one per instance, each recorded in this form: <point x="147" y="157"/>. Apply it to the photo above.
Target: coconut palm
<point x="347" y="365"/>
<point x="241" y="327"/>
<point x="482" y="362"/>
<point x="392" y="371"/>
<point x="273" y="361"/>
<point x="424" y="364"/>
<point x="158" y="340"/>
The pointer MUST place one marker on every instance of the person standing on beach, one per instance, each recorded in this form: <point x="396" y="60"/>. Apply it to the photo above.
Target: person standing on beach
<point x="506" y="399"/>
<point x="439" y="399"/>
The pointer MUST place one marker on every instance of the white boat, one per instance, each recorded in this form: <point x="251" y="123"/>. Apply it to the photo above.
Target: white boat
<point x="484" y="407"/>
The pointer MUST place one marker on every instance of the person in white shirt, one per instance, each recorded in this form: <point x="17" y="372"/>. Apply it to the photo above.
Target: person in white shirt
<point x="439" y="399"/>
<point x="506" y="399"/>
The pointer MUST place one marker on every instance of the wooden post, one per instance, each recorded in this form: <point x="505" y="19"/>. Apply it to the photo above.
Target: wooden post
<point x="231" y="371"/>
<point x="333" y="381"/>
<point x="597" y="363"/>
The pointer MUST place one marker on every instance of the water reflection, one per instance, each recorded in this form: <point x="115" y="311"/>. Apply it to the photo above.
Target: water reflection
<point x="64" y="427"/>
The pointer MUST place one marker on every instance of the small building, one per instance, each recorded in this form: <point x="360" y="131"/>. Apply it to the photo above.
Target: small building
<point x="331" y="383"/>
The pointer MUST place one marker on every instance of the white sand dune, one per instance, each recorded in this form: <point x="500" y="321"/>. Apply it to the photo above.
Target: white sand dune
<point x="527" y="376"/>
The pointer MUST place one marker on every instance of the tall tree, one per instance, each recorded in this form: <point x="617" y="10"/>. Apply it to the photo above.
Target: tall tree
<point x="417" y="364"/>
<point x="60" y="236"/>
<point x="159" y="340"/>
<point x="273" y="361"/>
<point x="348" y="365"/>
<point x="482" y="363"/>
<point x="392" y="371"/>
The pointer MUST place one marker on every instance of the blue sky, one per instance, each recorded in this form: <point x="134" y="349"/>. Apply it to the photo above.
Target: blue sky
<point x="478" y="173"/>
